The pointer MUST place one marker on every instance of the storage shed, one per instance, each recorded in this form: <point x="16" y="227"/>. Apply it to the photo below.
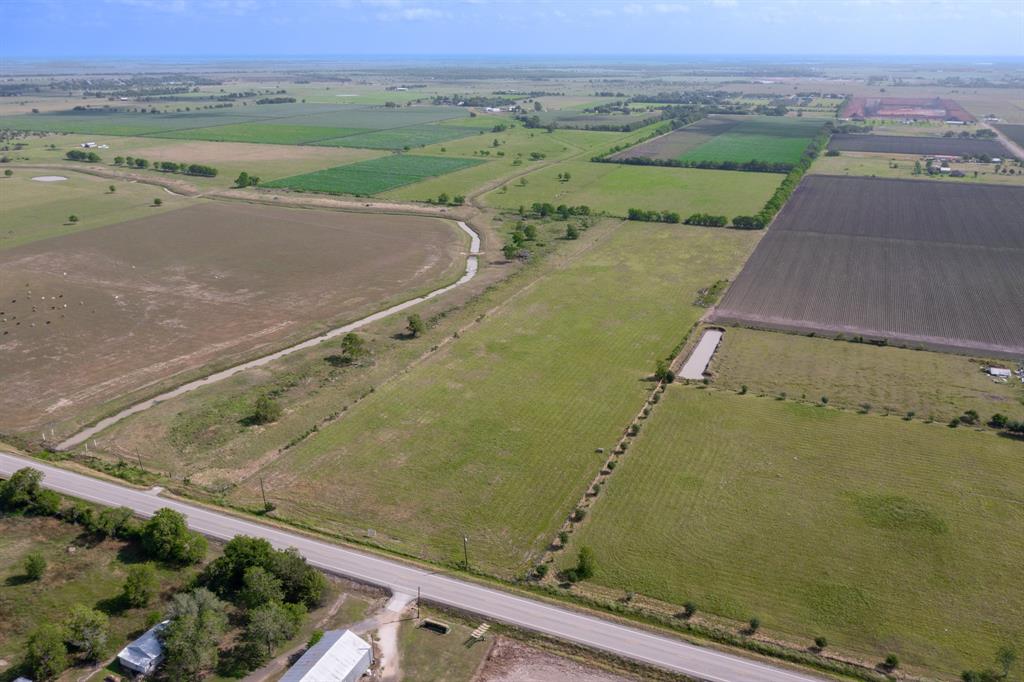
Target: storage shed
<point x="339" y="656"/>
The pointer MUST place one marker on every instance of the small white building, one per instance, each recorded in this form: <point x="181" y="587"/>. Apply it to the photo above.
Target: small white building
<point x="144" y="654"/>
<point x="999" y="372"/>
<point x="339" y="656"/>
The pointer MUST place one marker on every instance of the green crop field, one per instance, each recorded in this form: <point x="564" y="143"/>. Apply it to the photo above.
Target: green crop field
<point x="616" y="188"/>
<point x="399" y="138"/>
<point x="858" y="376"/>
<point x="260" y="133"/>
<point x="879" y="534"/>
<point x="373" y="176"/>
<point x="104" y="123"/>
<point x="35" y="210"/>
<point x="494" y="436"/>
<point x="772" y="139"/>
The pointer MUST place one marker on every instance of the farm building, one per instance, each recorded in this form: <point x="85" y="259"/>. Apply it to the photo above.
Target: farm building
<point x="145" y="653"/>
<point x="999" y="372"/>
<point x="339" y="656"/>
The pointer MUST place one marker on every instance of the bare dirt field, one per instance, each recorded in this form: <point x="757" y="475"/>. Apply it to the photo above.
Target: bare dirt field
<point x="88" y="317"/>
<point x="510" y="661"/>
<point x="928" y="264"/>
<point x="916" y="144"/>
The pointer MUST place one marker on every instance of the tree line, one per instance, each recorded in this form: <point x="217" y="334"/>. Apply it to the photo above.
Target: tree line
<point x="167" y="166"/>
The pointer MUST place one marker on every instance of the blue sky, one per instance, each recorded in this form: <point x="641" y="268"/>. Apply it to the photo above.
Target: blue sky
<point x="153" y="28"/>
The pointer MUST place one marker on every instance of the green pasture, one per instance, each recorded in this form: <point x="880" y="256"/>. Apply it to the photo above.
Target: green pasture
<point x="863" y="377"/>
<point x="616" y="188"/>
<point x="373" y="176"/>
<point x="773" y="139"/>
<point x="399" y="138"/>
<point x="512" y="410"/>
<point x="40" y="210"/>
<point x="882" y="535"/>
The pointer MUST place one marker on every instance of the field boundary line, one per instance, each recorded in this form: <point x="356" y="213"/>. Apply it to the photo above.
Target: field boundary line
<point x="472" y="263"/>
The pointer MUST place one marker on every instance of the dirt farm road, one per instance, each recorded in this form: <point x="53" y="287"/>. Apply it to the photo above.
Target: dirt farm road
<point x="471" y="268"/>
<point x="491" y="603"/>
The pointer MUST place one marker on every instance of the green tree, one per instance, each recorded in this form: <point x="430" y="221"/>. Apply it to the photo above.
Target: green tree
<point x="46" y="657"/>
<point x="301" y="582"/>
<point x="113" y="522"/>
<point x="530" y="232"/>
<point x="8" y="172"/>
<point x="892" y="661"/>
<point x="510" y="250"/>
<point x="111" y="188"/>
<point x="72" y="218"/>
<point x="271" y="624"/>
<point x="87" y="630"/>
<point x="566" y="177"/>
<point x="820" y="643"/>
<point x="353" y="346"/>
<point x="415" y="325"/>
<point x="158" y="201"/>
<point x="537" y="106"/>
<point x="35" y="566"/>
<point x="21" y="489"/>
<point x="443" y="198"/>
<point x="242" y="180"/>
<point x="585" y="564"/>
<point x="166" y="537"/>
<point x="197" y="622"/>
<point x="267" y="410"/>
<point x="140" y="585"/>
<point x="572" y="232"/>
<point x="118" y="160"/>
<point x="259" y="587"/>
<point x="753" y="625"/>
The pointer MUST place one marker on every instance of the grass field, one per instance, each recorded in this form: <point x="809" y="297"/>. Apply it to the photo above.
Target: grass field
<point x="898" y="166"/>
<point x="430" y="657"/>
<point x="400" y="138"/>
<point x="617" y="188"/>
<point x="851" y="374"/>
<point x="39" y="210"/>
<point x="511" y="410"/>
<point x="772" y="139"/>
<point x="93" y="576"/>
<point x="374" y="176"/>
<point x="882" y="535"/>
<point x="261" y="133"/>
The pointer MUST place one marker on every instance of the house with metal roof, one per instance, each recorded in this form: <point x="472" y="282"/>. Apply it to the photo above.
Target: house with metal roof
<point x="145" y="653"/>
<point x="339" y="656"/>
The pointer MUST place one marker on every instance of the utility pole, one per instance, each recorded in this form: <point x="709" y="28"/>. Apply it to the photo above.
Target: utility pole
<point x="264" y="493"/>
<point x="465" y="549"/>
<point x="417" y="602"/>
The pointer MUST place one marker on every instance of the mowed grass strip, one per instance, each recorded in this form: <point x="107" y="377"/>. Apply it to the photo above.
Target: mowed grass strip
<point x="494" y="437"/>
<point x="261" y="133"/>
<point x="373" y="176"/>
<point x="879" y="534"/>
<point x="772" y="139"/>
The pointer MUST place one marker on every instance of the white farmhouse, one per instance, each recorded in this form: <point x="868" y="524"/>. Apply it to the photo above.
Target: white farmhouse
<point x="339" y="656"/>
<point x="144" y="654"/>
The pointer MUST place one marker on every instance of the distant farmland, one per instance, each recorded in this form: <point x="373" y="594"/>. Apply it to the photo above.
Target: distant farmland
<point x="916" y="144"/>
<point x="373" y="127"/>
<point x="736" y="139"/>
<point x="1014" y="132"/>
<point x="919" y="263"/>
<point x="373" y="176"/>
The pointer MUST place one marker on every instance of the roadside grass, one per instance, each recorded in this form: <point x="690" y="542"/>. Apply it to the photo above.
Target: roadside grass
<point x="432" y="657"/>
<point x="771" y="139"/>
<point x="512" y="410"/>
<point x="373" y="176"/>
<point x="854" y="375"/>
<point x="882" y="535"/>
<point x="261" y="133"/>
<point x="615" y="188"/>
<point x="92" y="575"/>
<point x="35" y="210"/>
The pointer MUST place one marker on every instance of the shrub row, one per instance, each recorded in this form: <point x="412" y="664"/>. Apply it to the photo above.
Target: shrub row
<point x="707" y="220"/>
<point x="652" y="216"/>
<point x="79" y="155"/>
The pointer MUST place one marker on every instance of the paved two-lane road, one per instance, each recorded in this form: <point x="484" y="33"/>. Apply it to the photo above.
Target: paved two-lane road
<point x="491" y="603"/>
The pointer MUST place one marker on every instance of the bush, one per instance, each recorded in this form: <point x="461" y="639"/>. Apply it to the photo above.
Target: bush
<point x="267" y="410"/>
<point x="585" y="564"/>
<point x="892" y="662"/>
<point x="415" y="325"/>
<point x="541" y="570"/>
<point x="563" y="537"/>
<point x="970" y="417"/>
<point x="998" y="421"/>
<point x="820" y="643"/>
<point x="689" y="610"/>
<point x="35" y="566"/>
<point x="753" y="625"/>
<point x="579" y="514"/>
<point x="86" y="630"/>
<point x="166" y="537"/>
